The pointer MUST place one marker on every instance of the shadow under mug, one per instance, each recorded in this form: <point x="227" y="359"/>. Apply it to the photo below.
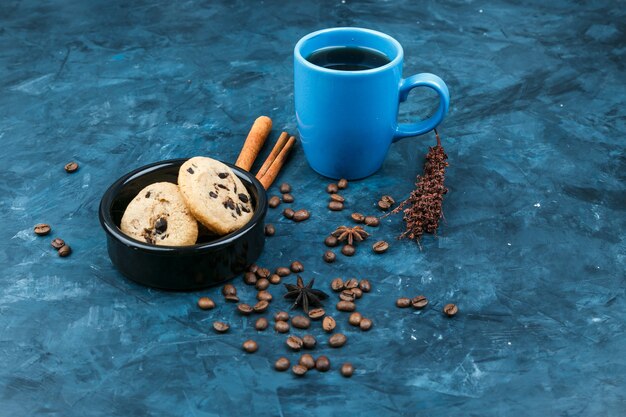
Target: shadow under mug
<point x="348" y="119"/>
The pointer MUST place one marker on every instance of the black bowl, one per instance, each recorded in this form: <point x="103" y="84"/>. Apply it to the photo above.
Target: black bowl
<point x="211" y="262"/>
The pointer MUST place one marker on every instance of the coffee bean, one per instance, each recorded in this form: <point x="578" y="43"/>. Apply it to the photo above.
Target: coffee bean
<point x="329" y="324"/>
<point x="347" y="295"/>
<point x="250" y="278"/>
<point x="288" y="198"/>
<point x="281" y="316"/>
<point x="253" y="268"/>
<point x="261" y="306"/>
<point x="229" y="289"/>
<point x="316" y="313"/>
<point x="282" y="364"/>
<point x="419" y="302"/>
<point x="383" y="205"/>
<point x="250" y="346"/>
<point x="337" y="197"/>
<point x="329" y="256"/>
<point x="261" y="324"/>
<point x="332" y="188"/>
<point x="270" y="230"/>
<point x="450" y="309"/>
<point x="294" y="342"/>
<point x="296" y="267"/>
<point x="371" y="221"/>
<point x="403" y="302"/>
<point x="220" y="327"/>
<point x="262" y="284"/>
<point x="65" y="251"/>
<point x="335" y="206"/>
<point x="308" y="341"/>
<point x="71" y="167"/>
<point x="264" y="296"/>
<point x="337" y="340"/>
<point x="357" y="292"/>
<point x="347" y="369"/>
<point x="283" y="271"/>
<point x="301" y="215"/>
<point x="388" y="199"/>
<point x="331" y="241"/>
<point x="281" y="326"/>
<point x="301" y="322"/>
<point x="288" y="213"/>
<point x="42" y="229"/>
<point x="380" y="247"/>
<point x="342" y="184"/>
<point x="346" y="306"/>
<point x="322" y="364"/>
<point x="231" y="298"/>
<point x="357" y="217"/>
<point x="348" y="250"/>
<point x="57" y="243"/>
<point x="285" y="188"/>
<point x="275" y="279"/>
<point x="365" y="324"/>
<point x="205" y="303"/>
<point x="299" y="370"/>
<point x="351" y="283"/>
<point x="244" y="309"/>
<point x="307" y="360"/>
<point x="273" y="202"/>
<point x="263" y="273"/>
<point x="355" y="318"/>
<point x="365" y="285"/>
<point x="337" y="284"/>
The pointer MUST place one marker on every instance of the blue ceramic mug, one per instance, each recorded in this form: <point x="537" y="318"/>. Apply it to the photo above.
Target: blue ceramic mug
<point x="347" y="119"/>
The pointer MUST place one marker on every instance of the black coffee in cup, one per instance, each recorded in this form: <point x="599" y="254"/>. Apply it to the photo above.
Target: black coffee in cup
<point x="348" y="58"/>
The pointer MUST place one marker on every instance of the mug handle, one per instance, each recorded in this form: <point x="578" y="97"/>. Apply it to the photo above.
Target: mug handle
<point x="423" y="80"/>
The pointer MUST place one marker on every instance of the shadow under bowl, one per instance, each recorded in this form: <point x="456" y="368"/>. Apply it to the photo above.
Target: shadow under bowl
<point x="213" y="260"/>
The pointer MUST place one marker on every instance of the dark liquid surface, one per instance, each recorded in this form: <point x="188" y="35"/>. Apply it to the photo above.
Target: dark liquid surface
<point x="347" y="58"/>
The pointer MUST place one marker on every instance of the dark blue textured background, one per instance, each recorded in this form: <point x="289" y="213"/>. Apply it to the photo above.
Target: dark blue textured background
<point x="532" y="249"/>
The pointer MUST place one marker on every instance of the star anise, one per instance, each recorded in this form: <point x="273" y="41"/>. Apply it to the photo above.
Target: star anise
<point x="352" y="234"/>
<point x="304" y="295"/>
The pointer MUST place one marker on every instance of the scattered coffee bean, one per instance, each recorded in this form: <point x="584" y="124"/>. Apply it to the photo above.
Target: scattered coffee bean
<point x="347" y="295"/>
<point x="337" y="197"/>
<point x="275" y="279"/>
<point x="263" y="273"/>
<point x="322" y="364"/>
<point x="355" y="318"/>
<point x="282" y="364"/>
<point x="42" y="229"/>
<point x="264" y="296"/>
<point x="380" y="247"/>
<point x="365" y="324"/>
<point x="261" y="306"/>
<point x="250" y="346"/>
<point x="316" y="313"/>
<point x="281" y="316"/>
<point x="383" y="205"/>
<point x="419" y="302"/>
<point x="285" y="188"/>
<point x="388" y="199"/>
<point x="301" y="322"/>
<point x="205" y="303"/>
<point x="337" y="284"/>
<point x="244" y="309"/>
<point x="347" y="369"/>
<point x="357" y="217"/>
<point x="249" y="278"/>
<point x="71" y="167"/>
<point x="365" y="285"/>
<point x="371" y="221"/>
<point x="337" y="340"/>
<point x="332" y="188"/>
<point x="403" y="302"/>
<point x="296" y="267"/>
<point x="273" y="202"/>
<point x="64" y="251"/>
<point x="329" y="256"/>
<point x="220" y="327"/>
<point x="253" y="268"/>
<point x="270" y="230"/>
<point x="288" y="198"/>
<point x="288" y="213"/>
<point x="357" y="292"/>
<point x="299" y="370"/>
<point x="262" y="284"/>
<point x="229" y="289"/>
<point x="281" y="326"/>
<point x="342" y="184"/>
<point x="329" y="324"/>
<point x="261" y="324"/>
<point x="283" y="271"/>
<point x="231" y="298"/>
<point x="307" y="360"/>
<point x="301" y="215"/>
<point x="308" y="341"/>
<point x="346" y="306"/>
<point x="331" y="241"/>
<point x="450" y="309"/>
<point x="294" y="342"/>
<point x="351" y="283"/>
<point x="335" y="206"/>
<point x="57" y="243"/>
<point x="348" y="250"/>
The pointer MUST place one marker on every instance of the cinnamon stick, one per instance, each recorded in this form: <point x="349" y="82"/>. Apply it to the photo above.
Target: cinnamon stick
<point x="254" y="142"/>
<point x="275" y="167"/>
<point x="280" y="143"/>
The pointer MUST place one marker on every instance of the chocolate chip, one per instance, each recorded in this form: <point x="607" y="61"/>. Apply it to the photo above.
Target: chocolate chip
<point x="246" y="209"/>
<point x="222" y="186"/>
<point x="148" y="194"/>
<point x="243" y="197"/>
<point x="238" y="210"/>
<point x="212" y="194"/>
<point x="230" y="203"/>
<point x="160" y="226"/>
<point x="190" y="170"/>
<point x="222" y="175"/>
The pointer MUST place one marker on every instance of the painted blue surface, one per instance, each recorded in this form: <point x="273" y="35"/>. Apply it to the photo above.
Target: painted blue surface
<point x="532" y="249"/>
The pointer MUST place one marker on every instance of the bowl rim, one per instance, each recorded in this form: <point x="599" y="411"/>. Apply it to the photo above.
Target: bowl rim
<point x="109" y="226"/>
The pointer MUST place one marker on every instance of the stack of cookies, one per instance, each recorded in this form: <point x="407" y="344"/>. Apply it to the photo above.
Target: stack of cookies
<point x="208" y="193"/>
